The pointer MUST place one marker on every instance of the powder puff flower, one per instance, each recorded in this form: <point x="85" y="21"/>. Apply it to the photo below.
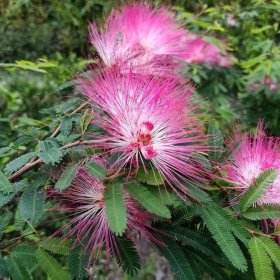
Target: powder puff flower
<point x="84" y="200"/>
<point x="141" y="35"/>
<point x="267" y="81"/>
<point x="148" y="121"/>
<point x="254" y="155"/>
<point x="200" y="51"/>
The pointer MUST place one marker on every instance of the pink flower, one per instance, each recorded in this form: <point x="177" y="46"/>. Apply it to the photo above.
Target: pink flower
<point x="231" y="20"/>
<point x="148" y="120"/>
<point x="89" y="227"/>
<point x="273" y="86"/>
<point x="254" y="155"/>
<point x="198" y="51"/>
<point x="141" y="35"/>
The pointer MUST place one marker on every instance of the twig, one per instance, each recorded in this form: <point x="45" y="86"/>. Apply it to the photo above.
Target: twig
<point x="37" y="162"/>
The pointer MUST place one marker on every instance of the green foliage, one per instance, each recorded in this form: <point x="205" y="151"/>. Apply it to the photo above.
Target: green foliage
<point x="261" y="261"/>
<point x="190" y="238"/>
<point x="150" y="176"/>
<point x="152" y="203"/>
<point x="66" y="177"/>
<point x="31" y="205"/>
<point x="223" y="235"/>
<point x="115" y="208"/>
<point x="272" y="249"/>
<point x="96" y="170"/>
<point x="4" y="199"/>
<point x="52" y="156"/>
<point x="56" y="245"/>
<point x="19" y="162"/>
<point x="16" y="270"/>
<point x="178" y="261"/>
<point x="127" y="256"/>
<point x="196" y="192"/>
<point x="51" y="266"/>
<point x="5" y="185"/>
<point x="25" y="254"/>
<point x="257" y="189"/>
<point x="76" y="264"/>
<point x="262" y="212"/>
<point x="216" y="142"/>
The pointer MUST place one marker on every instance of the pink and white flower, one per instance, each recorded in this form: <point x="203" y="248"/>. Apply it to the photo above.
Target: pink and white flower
<point x="200" y="51"/>
<point x="140" y="34"/>
<point x="149" y="121"/>
<point x="255" y="154"/>
<point x="89" y="227"/>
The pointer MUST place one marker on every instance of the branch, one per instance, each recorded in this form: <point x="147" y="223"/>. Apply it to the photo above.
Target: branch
<point x="34" y="161"/>
<point x="37" y="162"/>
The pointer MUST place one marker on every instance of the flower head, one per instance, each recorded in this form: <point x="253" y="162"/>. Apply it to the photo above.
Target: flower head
<point x="148" y="121"/>
<point x="200" y="51"/>
<point x="142" y="35"/>
<point x="254" y="155"/>
<point x="84" y="199"/>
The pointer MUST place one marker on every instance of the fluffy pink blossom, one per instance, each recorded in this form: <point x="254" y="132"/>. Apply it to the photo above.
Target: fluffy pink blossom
<point x="148" y="120"/>
<point x="273" y="86"/>
<point x="231" y="20"/>
<point x="140" y="34"/>
<point x="255" y="154"/>
<point x="84" y="200"/>
<point x="199" y="51"/>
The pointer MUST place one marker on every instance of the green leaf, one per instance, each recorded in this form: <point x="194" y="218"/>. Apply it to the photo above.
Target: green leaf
<point x="209" y="267"/>
<point x="4" y="199"/>
<point x="272" y="249"/>
<point x="177" y="260"/>
<point x="56" y="245"/>
<point x="261" y="261"/>
<point x="66" y="126"/>
<point x="4" y="268"/>
<point x="96" y="170"/>
<point x="52" y="156"/>
<point x="115" y="208"/>
<point x="262" y="212"/>
<point x="85" y="121"/>
<point x="51" y="266"/>
<point x="257" y="189"/>
<point x="25" y="254"/>
<point x="127" y="256"/>
<point x="31" y="205"/>
<point x="221" y="232"/>
<point x="17" y="270"/>
<point x="166" y="197"/>
<point x="189" y="238"/>
<point x="197" y="193"/>
<point x="76" y="265"/>
<point x="216" y="142"/>
<point x="66" y="177"/>
<point x="152" y="203"/>
<point x="5" y="185"/>
<point x="19" y="162"/>
<point x="4" y="150"/>
<point x="150" y="176"/>
<point x="5" y="219"/>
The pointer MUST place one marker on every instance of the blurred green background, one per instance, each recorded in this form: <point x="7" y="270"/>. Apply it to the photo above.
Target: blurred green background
<point x="44" y="45"/>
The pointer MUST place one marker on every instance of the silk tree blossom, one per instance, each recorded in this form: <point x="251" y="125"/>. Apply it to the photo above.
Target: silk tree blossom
<point x="84" y="200"/>
<point x="254" y="155"/>
<point x="267" y="81"/>
<point x="149" y="121"/>
<point x="140" y="34"/>
<point x="200" y="51"/>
